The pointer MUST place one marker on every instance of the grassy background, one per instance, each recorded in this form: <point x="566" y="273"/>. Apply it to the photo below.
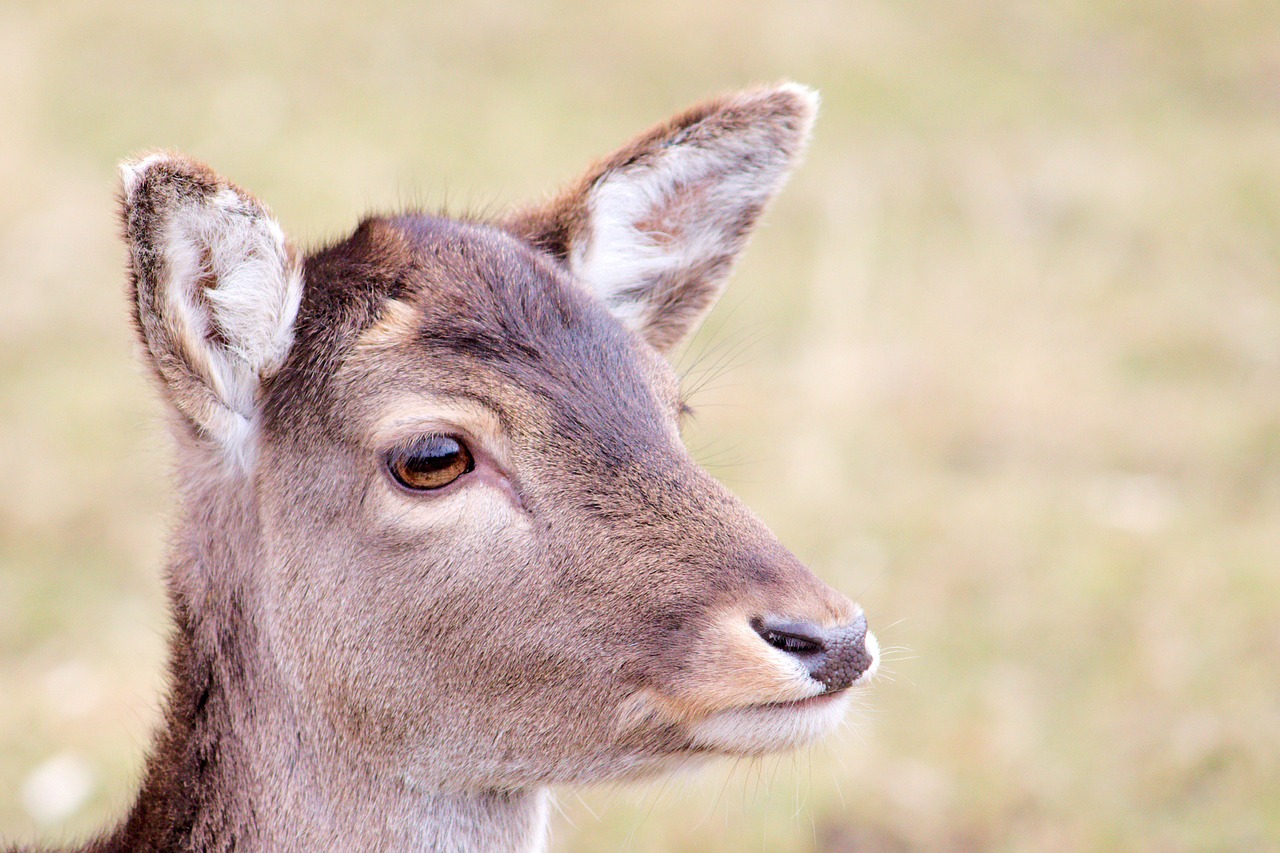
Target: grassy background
<point x="1004" y="362"/>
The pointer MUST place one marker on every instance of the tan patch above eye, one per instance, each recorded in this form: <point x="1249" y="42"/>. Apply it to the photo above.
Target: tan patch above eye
<point x="398" y="324"/>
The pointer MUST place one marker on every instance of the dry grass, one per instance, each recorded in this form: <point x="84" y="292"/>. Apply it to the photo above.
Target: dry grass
<point x="1010" y="371"/>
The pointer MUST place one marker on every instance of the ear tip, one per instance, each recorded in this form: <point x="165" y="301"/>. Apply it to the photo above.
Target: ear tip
<point x="795" y="104"/>
<point x="808" y="97"/>
<point x="135" y="170"/>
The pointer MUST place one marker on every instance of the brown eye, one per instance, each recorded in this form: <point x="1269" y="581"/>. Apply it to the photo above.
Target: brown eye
<point x="431" y="462"/>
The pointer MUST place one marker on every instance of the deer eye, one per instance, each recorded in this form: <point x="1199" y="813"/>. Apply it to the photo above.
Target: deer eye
<point x="431" y="462"/>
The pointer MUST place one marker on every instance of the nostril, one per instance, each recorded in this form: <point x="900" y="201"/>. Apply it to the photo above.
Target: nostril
<point x="835" y="657"/>
<point x="802" y="639"/>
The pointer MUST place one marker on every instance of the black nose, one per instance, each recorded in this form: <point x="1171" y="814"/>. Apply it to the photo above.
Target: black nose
<point x="834" y="656"/>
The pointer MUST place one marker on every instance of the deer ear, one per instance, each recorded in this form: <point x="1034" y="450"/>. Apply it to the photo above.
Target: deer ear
<point x="216" y="288"/>
<point x="654" y="229"/>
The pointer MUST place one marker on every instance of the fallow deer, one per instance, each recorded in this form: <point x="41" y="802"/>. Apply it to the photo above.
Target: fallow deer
<point x="439" y="545"/>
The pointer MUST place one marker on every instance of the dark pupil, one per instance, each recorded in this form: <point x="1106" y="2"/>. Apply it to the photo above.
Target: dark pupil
<point x="431" y="462"/>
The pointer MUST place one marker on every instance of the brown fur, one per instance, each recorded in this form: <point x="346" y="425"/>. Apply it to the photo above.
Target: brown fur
<point x="354" y="667"/>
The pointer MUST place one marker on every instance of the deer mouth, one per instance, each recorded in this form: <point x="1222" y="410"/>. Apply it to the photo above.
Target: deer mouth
<point x="773" y="726"/>
<point x="808" y="702"/>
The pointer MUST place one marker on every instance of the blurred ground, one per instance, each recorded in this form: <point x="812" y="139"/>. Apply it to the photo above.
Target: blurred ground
<point x="1004" y="363"/>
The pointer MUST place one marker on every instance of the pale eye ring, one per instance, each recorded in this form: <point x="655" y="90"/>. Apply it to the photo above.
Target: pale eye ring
<point x="431" y="462"/>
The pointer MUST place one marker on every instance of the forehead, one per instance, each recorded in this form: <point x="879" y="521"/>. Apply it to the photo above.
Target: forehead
<point x="474" y="290"/>
<point x="454" y="308"/>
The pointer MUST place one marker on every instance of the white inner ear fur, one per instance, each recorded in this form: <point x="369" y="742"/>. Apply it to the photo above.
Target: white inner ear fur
<point x="674" y="212"/>
<point x="232" y="296"/>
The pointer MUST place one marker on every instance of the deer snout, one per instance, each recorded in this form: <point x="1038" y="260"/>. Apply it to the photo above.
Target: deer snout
<point x="836" y="657"/>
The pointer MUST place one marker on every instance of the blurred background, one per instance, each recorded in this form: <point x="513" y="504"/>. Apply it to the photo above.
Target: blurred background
<point x="1003" y="363"/>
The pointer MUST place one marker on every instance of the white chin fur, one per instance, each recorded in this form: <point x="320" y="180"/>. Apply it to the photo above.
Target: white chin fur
<point x="771" y="728"/>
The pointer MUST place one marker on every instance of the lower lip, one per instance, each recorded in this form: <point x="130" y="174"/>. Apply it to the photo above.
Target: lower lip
<point x="800" y="704"/>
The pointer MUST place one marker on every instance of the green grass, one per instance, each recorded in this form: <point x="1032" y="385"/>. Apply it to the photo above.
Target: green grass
<point x="1009" y="371"/>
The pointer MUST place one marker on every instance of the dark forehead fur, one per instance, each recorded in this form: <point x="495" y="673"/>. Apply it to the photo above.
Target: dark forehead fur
<point x="482" y="299"/>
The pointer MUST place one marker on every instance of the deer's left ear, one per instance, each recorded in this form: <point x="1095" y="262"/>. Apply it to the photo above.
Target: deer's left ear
<point x="654" y="229"/>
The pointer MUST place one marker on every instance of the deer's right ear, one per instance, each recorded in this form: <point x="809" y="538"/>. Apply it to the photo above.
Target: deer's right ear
<point x="216" y="288"/>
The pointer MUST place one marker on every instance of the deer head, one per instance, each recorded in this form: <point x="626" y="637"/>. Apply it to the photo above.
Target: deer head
<point x="437" y="504"/>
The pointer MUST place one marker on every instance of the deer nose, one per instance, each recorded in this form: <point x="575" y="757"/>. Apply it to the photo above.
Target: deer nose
<point x="836" y="657"/>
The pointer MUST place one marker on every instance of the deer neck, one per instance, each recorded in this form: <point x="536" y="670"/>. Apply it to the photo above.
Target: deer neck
<point x="240" y="763"/>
